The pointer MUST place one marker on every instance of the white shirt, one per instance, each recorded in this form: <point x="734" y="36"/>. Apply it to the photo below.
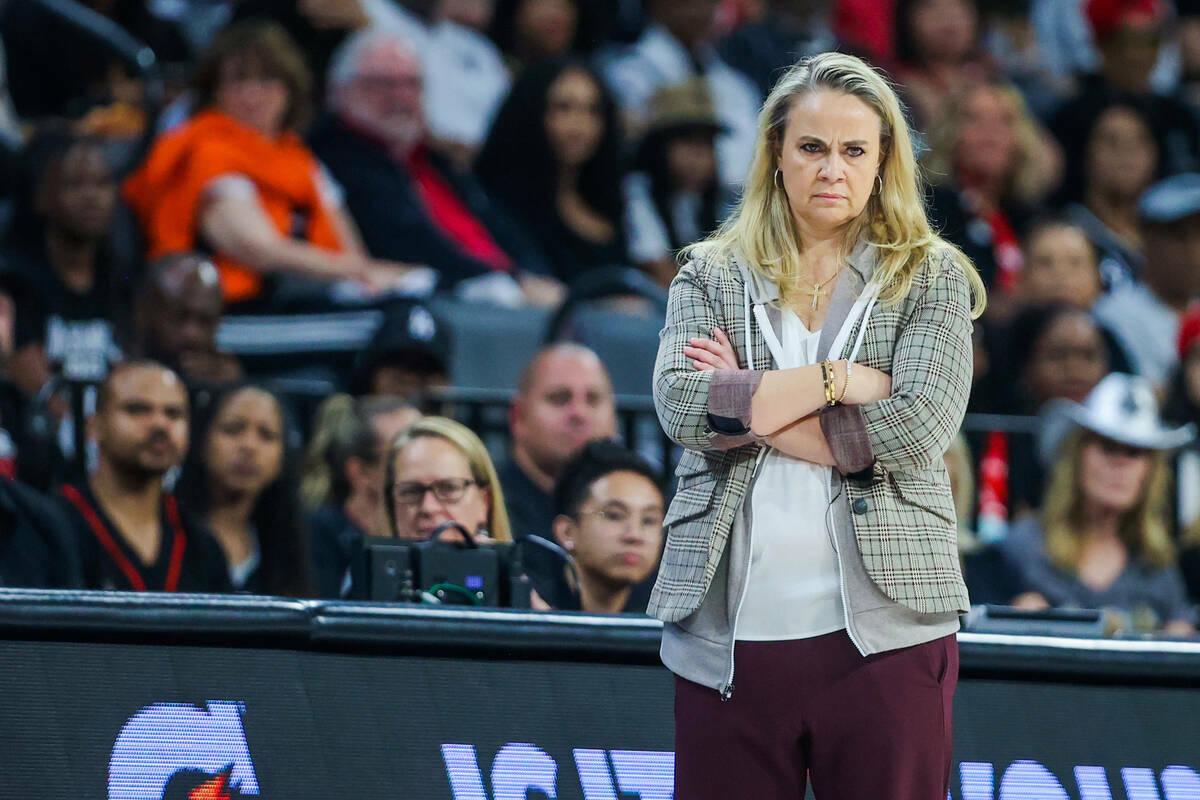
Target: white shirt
<point x="658" y="59"/>
<point x="1146" y="327"/>
<point x="647" y="232"/>
<point x="465" y="76"/>
<point x="794" y="588"/>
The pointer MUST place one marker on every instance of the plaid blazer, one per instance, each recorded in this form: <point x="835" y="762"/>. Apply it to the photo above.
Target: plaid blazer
<point x="888" y="453"/>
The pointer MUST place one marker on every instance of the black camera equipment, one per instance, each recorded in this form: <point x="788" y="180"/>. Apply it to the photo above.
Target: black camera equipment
<point x="460" y="571"/>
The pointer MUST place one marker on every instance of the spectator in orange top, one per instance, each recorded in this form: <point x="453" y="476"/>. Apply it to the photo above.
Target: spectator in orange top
<point x="237" y="179"/>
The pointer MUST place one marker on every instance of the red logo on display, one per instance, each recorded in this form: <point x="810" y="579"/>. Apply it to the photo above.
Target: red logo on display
<point x="216" y="789"/>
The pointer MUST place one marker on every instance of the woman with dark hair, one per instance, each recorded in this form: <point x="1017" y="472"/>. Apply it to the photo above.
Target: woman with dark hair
<point x="937" y="54"/>
<point x="528" y="31"/>
<point x="553" y="158"/>
<point x="1053" y="352"/>
<point x="1114" y="154"/>
<point x="236" y="177"/>
<point x="240" y="477"/>
<point x="58" y="268"/>
<point x="674" y="198"/>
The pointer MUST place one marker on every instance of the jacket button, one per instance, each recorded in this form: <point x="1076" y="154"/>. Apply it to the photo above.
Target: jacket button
<point x="860" y="506"/>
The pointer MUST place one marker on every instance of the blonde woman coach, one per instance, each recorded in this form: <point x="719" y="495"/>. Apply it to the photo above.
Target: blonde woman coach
<point x="816" y="363"/>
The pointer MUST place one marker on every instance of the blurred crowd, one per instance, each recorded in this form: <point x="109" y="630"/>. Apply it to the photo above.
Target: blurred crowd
<point x="288" y="157"/>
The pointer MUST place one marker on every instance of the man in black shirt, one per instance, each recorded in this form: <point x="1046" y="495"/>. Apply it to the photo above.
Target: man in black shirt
<point x="564" y="400"/>
<point x="130" y="531"/>
<point x="177" y="311"/>
<point x="609" y="518"/>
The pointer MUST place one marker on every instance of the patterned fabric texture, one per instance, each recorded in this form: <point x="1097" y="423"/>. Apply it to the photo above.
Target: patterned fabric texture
<point x="902" y="510"/>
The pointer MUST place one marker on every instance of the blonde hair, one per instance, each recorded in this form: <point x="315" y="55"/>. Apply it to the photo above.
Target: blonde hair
<point x="472" y="448"/>
<point x="1141" y="528"/>
<point x="1031" y="176"/>
<point x="342" y="430"/>
<point x="761" y="228"/>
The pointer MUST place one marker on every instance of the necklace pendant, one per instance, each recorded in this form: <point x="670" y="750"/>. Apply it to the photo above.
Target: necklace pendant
<point x="815" y="294"/>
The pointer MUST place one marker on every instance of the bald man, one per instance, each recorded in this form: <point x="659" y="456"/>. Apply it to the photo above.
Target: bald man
<point x="564" y="400"/>
<point x="129" y="529"/>
<point x="179" y="308"/>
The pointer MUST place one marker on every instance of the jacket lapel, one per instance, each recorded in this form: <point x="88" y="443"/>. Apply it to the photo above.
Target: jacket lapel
<point x="848" y="287"/>
<point x="766" y="293"/>
<point x="860" y="269"/>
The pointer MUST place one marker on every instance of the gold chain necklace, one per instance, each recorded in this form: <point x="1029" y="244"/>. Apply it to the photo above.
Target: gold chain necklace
<point x="817" y="290"/>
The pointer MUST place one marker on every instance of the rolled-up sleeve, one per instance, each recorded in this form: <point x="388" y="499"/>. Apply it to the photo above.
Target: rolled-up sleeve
<point x="845" y="430"/>
<point x="701" y="410"/>
<point x="931" y="382"/>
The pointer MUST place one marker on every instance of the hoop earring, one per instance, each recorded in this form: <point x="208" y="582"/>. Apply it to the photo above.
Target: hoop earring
<point x="778" y="179"/>
<point x="879" y="181"/>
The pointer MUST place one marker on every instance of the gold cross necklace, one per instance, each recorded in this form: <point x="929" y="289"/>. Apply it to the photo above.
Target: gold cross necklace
<point x="817" y="291"/>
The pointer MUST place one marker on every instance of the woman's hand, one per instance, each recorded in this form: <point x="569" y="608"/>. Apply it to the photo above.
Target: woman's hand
<point x="383" y="277"/>
<point x="1030" y="601"/>
<point x="712" y="354"/>
<point x="866" y="384"/>
<point x="1178" y="629"/>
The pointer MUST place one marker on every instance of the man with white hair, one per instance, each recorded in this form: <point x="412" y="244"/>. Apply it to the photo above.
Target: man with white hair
<point x="405" y="196"/>
<point x="467" y="78"/>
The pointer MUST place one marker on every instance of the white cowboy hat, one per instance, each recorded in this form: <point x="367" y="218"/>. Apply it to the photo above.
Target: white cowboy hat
<point x="1120" y="407"/>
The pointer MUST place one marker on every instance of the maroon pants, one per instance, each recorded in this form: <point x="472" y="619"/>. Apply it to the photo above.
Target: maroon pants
<point x="874" y="728"/>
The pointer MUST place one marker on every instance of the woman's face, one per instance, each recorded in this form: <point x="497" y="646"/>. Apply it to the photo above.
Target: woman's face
<point x="1060" y="267"/>
<point x="79" y="194"/>
<point x="574" y="118"/>
<point x="244" y="451"/>
<point x="986" y="149"/>
<point x="1112" y="475"/>
<point x="546" y="28"/>
<point x="943" y="30"/>
<point x="430" y="461"/>
<point x="1121" y="154"/>
<point x="619" y="529"/>
<point x="1068" y="360"/>
<point x="692" y="161"/>
<point x="828" y="158"/>
<point x="245" y="93"/>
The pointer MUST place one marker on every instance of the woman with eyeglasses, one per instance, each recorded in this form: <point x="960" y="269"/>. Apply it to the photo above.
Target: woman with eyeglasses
<point x="438" y="472"/>
<point x="1101" y="540"/>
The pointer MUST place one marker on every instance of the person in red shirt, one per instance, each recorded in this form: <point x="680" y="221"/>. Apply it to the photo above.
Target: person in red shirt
<point x="129" y="529"/>
<point x="410" y="202"/>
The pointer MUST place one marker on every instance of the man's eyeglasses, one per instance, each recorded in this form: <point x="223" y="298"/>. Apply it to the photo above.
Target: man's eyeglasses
<point x="619" y="518"/>
<point x="447" y="490"/>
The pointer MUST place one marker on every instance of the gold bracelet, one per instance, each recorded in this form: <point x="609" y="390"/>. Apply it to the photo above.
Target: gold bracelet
<point x="845" y="384"/>
<point x="830" y="386"/>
